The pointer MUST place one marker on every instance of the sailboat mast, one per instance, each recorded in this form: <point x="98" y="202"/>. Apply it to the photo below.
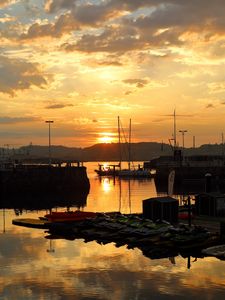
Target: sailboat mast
<point x="129" y="148"/>
<point x="119" y="141"/>
<point x="174" y="129"/>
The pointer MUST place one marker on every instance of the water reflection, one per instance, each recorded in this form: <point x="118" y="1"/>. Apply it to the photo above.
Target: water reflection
<point x="152" y="247"/>
<point x="107" y="183"/>
<point x="3" y="220"/>
<point x="92" y="271"/>
<point x="76" y="269"/>
<point x="24" y="201"/>
<point x="114" y="194"/>
<point x="51" y="247"/>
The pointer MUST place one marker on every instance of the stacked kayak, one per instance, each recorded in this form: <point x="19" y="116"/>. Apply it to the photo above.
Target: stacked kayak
<point x="69" y="216"/>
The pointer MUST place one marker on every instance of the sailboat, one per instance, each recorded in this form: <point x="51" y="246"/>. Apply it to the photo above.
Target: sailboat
<point x="130" y="172"/>
<point x="108" y="169"/>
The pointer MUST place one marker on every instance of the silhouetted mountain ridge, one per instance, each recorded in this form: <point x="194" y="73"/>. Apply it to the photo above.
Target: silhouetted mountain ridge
<point x="110" y="152"/>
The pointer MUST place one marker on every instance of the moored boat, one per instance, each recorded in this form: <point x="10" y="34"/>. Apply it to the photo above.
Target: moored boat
<point x="70" y="216"/>
<point x="107" y="170"/>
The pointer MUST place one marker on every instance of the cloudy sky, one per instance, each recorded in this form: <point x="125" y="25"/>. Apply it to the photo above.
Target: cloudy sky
<point x="82" y="63"/>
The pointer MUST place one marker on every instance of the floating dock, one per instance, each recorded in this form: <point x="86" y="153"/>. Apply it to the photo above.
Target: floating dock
<point x="32" y="223"/>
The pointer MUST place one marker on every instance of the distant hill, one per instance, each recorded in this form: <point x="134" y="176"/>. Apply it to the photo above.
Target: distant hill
<point x="108" y="152"/>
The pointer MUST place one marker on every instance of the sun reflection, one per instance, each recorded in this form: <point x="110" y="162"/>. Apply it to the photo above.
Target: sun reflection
<point x="106" y="185"/>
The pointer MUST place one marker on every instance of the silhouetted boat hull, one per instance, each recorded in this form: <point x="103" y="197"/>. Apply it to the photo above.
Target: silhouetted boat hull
<point x="69" y="216"/>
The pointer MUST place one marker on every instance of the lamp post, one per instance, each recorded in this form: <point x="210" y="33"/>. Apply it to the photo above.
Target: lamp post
<point x="183" y="132"/>
<point x="49" y="141"/>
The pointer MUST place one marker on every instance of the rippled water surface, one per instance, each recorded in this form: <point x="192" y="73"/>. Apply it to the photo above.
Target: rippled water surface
<point x="35" y="267"/>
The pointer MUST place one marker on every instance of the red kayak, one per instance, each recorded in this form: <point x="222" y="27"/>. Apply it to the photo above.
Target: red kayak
<point x="183" y="214"/>
<point x="70" y="216"/>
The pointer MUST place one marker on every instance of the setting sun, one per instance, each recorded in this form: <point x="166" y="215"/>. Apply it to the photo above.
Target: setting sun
<point x="106" y="138"/>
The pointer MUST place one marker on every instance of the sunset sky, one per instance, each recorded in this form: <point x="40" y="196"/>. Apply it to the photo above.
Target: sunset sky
<point x="83" y="63"/>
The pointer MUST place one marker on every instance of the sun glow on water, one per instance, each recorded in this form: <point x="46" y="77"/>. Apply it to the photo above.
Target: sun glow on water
<point x="106" y="185"/>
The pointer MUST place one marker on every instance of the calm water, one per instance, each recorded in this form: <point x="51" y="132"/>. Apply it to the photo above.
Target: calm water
<point x="34" y="267"/>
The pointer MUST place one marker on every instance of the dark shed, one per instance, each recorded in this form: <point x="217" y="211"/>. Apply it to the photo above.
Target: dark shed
<point x="210" y="204"/>
<point x="162" y="208"/>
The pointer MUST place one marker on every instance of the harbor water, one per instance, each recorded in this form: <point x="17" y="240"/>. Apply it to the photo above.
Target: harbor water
<point x="34" y="267"/>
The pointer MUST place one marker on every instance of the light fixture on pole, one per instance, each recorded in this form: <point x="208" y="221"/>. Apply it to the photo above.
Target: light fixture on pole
<point x="183" y="132"/>
<point x="49" y="141"/>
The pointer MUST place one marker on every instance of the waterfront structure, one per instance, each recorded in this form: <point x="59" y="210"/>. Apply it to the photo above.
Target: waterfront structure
<point x="191" y="167"/>
<point x="16" y="178"/>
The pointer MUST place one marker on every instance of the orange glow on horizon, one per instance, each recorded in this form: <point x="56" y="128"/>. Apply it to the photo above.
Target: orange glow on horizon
<point x="106" y="138"/>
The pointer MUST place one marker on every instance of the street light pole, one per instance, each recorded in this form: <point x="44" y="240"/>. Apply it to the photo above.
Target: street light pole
<point x="183" y="132"/>
<point x="49" y="141"/>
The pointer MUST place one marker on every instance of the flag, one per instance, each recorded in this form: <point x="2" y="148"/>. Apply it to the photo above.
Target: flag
<point x="171" y="178"/>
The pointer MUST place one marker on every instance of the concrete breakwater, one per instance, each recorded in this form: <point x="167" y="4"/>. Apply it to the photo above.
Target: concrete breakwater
<point x="39" y="179"/>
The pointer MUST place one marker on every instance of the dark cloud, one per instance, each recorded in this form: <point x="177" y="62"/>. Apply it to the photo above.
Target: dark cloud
<point x="93" y="15"/>
<point x="139" y="83"/>
<point x="18" y="75"/>
<point x="111" y="40"/>
<point x="111" y="5"/>
<point x="52" y="6"/>
<point x="160" y="28"/>
<point x="210" y="105"/>
<point x="86" y="15"/>
<point x="16" y="120"/>
<point x="128" y="93"/>
<point x="163" y="23"/>
<point x="166" y="13"/>
<point x="57" y="106"/>
<point x="110" y="63"/>
<point x="64" y="24"/>
<point x="184" y="16"/>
